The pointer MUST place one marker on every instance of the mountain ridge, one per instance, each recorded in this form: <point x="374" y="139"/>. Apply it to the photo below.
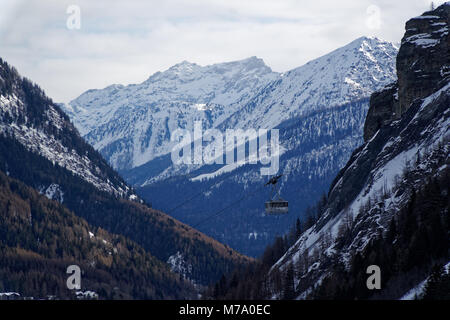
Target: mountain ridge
<point x="132" y="133"/>
<point x="219" y="110"/>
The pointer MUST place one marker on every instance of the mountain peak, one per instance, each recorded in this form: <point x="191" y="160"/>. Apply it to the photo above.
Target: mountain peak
<point x="183" y="64"/>
<point x="369" y="42"/>
<point x="348" y="73"/>
<point x="352" y="51"/>
<point x="342" y="76"/>
<point x="367" y="38"/>
<point x="183" y="67"/>
<point x="254" y="62"/>
<point x="253" y="59"/>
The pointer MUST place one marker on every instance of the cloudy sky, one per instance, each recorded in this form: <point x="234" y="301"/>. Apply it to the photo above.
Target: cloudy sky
<point x="127" y="41"/>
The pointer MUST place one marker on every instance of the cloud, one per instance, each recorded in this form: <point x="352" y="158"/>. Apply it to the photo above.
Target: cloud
<point x="126" y="41"/>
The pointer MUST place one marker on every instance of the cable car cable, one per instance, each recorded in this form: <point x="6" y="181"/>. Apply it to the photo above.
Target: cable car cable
<point x="202" y="192"/>
<point x="228" y="206"/>
<point x="198" y="194"/>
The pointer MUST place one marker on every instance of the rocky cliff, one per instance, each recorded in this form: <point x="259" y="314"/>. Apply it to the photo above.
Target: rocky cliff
<point x="406" y="151"/>
<point x="422" y="67"/>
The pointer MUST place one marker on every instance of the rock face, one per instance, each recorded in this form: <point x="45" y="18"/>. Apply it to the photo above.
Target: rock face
<point x="423" y="61"/>
<point x="384" y="107"/>
<point x="30" y="117"/>
<point x="423" y="65"/>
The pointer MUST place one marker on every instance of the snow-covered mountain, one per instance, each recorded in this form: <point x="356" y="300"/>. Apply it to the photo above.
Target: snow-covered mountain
<point x="405" y="156"/>
<point x="131" y="125"/>
<point x="339" y="77"/>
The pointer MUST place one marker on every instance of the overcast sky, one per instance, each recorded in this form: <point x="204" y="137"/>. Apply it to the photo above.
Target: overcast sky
<point x="127" y="41"/>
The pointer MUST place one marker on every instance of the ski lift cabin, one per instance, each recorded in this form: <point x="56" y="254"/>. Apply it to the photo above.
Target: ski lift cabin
<point x="279" y="206"/>
<point x="276" y="205"/>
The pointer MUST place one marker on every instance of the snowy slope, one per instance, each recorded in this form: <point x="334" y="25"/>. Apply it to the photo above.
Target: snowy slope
<point x="316" y="147"/>
<point x="371" y="210"/>
<point x="341" y="76"/>
<point x="39" y="125"/>
<point x="41" y="148"/>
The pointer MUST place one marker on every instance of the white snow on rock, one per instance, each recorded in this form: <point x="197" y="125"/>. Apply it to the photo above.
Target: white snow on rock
<point x="418" y="291"/>
<point x="53" y="192"/>
<point x="341" y="76"/>
<point x="415" y="292"/>
<point x="9" y="295"/>
<point x="178" y="265"/>
<point x="86" y="295"/>
<point x="37" y="140"/>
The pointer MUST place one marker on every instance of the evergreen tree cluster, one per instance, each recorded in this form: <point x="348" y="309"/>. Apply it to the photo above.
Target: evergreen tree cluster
<point x="156" y="232"/>
<point x="438" y="284"/>
<point x="251" y="282"/>
<point x="39" y="239"/>
<point x="416" y="240"/>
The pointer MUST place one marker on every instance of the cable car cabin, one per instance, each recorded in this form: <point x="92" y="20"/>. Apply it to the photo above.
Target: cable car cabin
<point x="275" y="207"/>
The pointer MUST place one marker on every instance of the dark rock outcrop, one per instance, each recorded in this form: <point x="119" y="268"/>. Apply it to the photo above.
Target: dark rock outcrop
<point x="384" y="107"/>
<point x="423" y="66"/>
<point x="423" y="62"/>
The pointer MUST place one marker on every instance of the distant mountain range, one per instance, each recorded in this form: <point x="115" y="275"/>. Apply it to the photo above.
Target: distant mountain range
<point x="319" y="108"/>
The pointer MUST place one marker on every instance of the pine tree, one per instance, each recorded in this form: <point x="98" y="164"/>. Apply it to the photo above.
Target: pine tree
<point x="433" y="288"/>
<point x="298" y="229"/>
<point x="289" y="290"/>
